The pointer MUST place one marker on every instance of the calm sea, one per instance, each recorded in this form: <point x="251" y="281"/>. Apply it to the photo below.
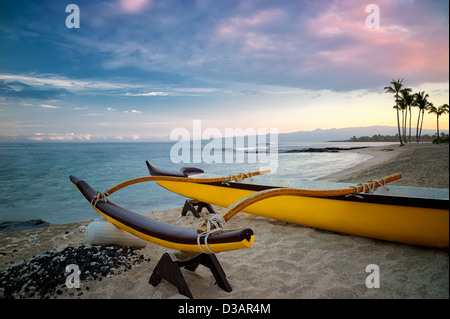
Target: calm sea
<point x="34" y="178"/>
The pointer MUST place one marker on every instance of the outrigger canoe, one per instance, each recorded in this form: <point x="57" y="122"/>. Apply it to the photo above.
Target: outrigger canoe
<point x="171" y="236"/>
<point x="417" y="220"/>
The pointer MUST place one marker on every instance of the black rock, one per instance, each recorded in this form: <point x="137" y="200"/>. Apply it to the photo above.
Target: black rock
<point x="13" y="226"/>
<point x="47" y="271"/>
<point x="322" y="149"/>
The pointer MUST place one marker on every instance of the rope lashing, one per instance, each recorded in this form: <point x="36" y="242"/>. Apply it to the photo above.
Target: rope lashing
<point x="371" y="187"/>
<point x="381" y="185"/>
<point x="237" y="178"/>
<point x="100" y="197"/>
<point x="217" y="222"/>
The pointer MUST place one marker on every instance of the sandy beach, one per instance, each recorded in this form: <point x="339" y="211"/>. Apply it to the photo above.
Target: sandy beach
<point x="287" y="261"/>
<point x="422" y="165"/>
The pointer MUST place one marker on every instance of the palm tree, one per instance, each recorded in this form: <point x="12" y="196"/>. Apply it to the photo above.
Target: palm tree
<point x="395" y="89"/>
<point x="422" y="103"/>
<point x="407" y="100"/>
<point x="443" y="109"/>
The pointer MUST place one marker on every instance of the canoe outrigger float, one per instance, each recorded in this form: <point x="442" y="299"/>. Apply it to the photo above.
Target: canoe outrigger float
<point x="416" y="220"/>
<point x="170" y="236"/>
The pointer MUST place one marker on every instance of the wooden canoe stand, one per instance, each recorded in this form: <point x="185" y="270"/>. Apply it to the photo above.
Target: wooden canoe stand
<point x="169" y="268"/>
<point x="190" y="206"/>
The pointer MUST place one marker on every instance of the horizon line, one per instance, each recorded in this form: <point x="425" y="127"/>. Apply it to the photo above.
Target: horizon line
<point x="90" y="138"/>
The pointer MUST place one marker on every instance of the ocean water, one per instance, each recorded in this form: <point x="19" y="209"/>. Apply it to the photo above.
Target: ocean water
<point x="34" y="178"/>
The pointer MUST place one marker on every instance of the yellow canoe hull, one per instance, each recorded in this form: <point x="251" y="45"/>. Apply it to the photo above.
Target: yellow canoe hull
<point x="404" y="224"/>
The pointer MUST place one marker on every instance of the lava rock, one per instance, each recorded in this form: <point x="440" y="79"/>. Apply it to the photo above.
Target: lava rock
<point x="14" y="226"/>
<point x="46" y="274"/>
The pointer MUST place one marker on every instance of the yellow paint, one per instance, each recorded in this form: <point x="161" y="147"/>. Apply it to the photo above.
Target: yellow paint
<point x="411" y="225"/>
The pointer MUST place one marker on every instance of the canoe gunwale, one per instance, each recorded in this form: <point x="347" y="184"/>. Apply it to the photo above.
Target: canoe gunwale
<point x="372" y="198"/>
<point x="366" y="197"/>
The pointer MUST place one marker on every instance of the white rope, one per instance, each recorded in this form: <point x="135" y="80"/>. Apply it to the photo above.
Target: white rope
<point x="100" y="197"/>
<point x="237" y="178"/>
<point x="382" y="185"/>
<point x="217" y="221"/>
<point x="370" y="189"/>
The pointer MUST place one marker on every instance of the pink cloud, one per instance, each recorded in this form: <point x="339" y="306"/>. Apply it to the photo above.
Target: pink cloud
<point x="70" y="137"/>
<point x="401" y="46"/>
<point x="37" y="139"/>
<point x="333" y="41"/>
<point x="47" y="106"/>
<point x="57" y="137"/>
<point x="134" y="6"/>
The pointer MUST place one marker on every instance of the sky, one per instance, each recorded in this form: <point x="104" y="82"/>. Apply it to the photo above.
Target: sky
<point x="136" y="70"/>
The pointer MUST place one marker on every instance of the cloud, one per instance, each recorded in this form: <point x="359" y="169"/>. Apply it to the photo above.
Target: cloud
<point x="45" y="85"/>
<point x="147" y="94"/>
<point x="73" y="137"/>
<point x="134" y="111"/>
<point x="134" y="6"/>
<point x="47" y="106"/>
<point x="323" y="45"/>
<point x="302" y="44"/>
<point x="17" y="89"/>
<point x="397" y="47"/>
<point x="58" y="137"/>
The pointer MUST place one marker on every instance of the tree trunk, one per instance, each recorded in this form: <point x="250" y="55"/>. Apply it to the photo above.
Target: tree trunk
<point x="404" y="127"/>
<point x="398" y="125"/>
<point x="410" y="124"/>
<point x="417" y="127"/>
<point x="421" y="124"/>
<point x="439" y="138"/>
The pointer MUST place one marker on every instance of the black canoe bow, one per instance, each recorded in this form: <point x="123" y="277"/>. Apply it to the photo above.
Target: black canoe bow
<point x="171" y="236"/>
<point x="184" y="171"/>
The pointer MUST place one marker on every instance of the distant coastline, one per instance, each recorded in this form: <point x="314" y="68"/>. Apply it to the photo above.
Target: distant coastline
<point x="324" y="149"/>
<point x="386" y="138"/>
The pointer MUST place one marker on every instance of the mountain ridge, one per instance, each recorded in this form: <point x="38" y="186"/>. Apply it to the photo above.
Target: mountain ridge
<point x="321" y="135"/>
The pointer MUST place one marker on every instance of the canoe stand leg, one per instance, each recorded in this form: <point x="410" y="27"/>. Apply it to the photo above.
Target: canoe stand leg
<point x="189" y="206"/>
<point x="169" y="268"/>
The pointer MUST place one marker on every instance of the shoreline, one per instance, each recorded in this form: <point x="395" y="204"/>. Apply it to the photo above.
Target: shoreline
<point x="286" y="260"/>
<point x="422" y="165"/>
<point x="379" y="155"/>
